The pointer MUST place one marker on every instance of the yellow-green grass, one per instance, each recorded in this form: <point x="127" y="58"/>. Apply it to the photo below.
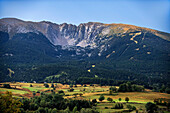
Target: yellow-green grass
<point x="13" y="91"/>
<point x="16" y="96"/>
<point x="166" y="112"/>
<point x="139" y="97"/>
<point x="34" y="88"/>
<point x="101" y="107"/>
<point x="90" y="89"/>
<point x="108" y="110"/>
<point x="71" y="93"/>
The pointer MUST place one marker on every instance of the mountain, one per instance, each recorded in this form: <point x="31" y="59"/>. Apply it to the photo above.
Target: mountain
<point x="118" y="47"/>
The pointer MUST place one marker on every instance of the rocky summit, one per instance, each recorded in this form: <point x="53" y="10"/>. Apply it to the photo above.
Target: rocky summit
<point x="93" y="35"/>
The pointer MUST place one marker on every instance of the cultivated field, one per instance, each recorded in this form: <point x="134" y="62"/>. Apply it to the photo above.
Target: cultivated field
<point x="137" y="99"/>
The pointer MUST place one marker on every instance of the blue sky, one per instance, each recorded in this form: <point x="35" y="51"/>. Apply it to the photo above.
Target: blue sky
<point x="153" y="14"/>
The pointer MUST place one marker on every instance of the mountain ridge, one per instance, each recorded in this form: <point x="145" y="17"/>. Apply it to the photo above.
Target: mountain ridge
<point x="43" y="27"/>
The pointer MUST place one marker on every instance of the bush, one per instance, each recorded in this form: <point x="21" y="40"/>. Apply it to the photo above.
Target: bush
<point x="33" y="106"/>
<point x="118" y="106"/>
<point x="52" y="85"/>
<point x="60" y="91"/>
<point x="75" y="94"/>
<point x="101" y="98"/>
<point x="88" y="110"/>
<point x="167" y="90"/>
<point x="54" y="88"/>
<point x="94" y="101"/>
<point x="71" y="90"/>
<point x="80" y="94"/>
<point x="127" y="99"/>
<point x="54" y="110"/>
<point x="31" y="85"/>
<point x="6" y="86"/>
<point x="41" y="110"/>
<point x="91" y="85"/>
<point x="109" y="99"/>
<point x="34" y="93"/>
<point x="113" y="89"/>
<point x="131" y="107"/>
<point x="67" y="95"/>
<point x="71" y="85"/>
<point x="46" y="85"/>
<point x="151" y="107"/>
<point x="42" y="93"/>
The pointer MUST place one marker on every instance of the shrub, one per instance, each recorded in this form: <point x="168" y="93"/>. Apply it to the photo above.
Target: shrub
<point x="54" y="110"/>
<point x="120" y="99"/>
<point x="75" y="94"/>
<point x="52" y="85"/>
<point x="46" y="85"/>
<point x="31" y="85"/>
<point x="54" y="88"/>
<point x="42" y="93"/>
<point x="101" y="98"/>
<point x="167" y="90"/>
<point x="127" y="99"/>
<point x="71" y="85"/>
<point x="129" y="107"/>
<point x="33" y="106"/>
<point x="133" y="108"/>
<point x="34" y="93"/>
<point x="41" y="110"/>
<point x="71" y="90"/>
<point x="151" y="107"/>
<point x="109" y="99"/>
<point x="91" y="85"/>
<point x="60" y="91"/>
<point x="80" y="94"/>
<point x="6" y="86"/>
<point x="118" y="106"/>
<point x="94" y="101"/>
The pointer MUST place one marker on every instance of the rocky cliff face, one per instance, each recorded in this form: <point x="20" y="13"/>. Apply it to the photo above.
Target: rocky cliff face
<point x="94" y="39"/>
<point x="86" y="34"/>
<point x="63" y="34"/>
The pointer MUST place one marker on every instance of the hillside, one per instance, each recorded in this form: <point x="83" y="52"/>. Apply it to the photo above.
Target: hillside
<point x="36" y="50"/>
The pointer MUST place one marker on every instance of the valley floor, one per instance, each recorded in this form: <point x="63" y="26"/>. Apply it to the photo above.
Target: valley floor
<point x="137" y="99"/>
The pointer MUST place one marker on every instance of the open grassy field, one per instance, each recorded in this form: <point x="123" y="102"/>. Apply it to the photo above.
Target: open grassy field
<point x="14" y="91"/>
<point x="137" y="99"/>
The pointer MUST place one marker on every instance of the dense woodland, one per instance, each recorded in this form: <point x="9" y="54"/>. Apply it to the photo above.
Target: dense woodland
<point x="45" y="103"/>
<point x="75" y="72"/>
